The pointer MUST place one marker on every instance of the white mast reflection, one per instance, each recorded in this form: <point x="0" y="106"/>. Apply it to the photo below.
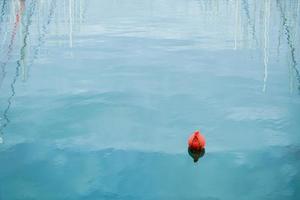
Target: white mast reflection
<point x="70" y="24"/>
<point x="236" y="23"/>
<point x="266" y="41"/>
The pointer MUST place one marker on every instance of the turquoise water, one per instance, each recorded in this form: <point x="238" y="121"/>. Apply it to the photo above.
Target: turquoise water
<point x="98" y="99"/>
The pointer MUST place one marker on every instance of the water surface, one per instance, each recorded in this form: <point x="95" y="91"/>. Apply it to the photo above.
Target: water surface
<point x="98" y="98"/>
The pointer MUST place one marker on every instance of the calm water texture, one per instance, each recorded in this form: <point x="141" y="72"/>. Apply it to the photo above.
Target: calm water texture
<point x="98" y="98"/>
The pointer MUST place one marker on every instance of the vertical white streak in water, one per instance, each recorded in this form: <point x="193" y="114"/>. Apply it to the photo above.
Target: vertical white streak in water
<point x="74" y="13"/>
<point x="236" y="24"/>
<point x="64" y="18"/>
<point x="21" y="30"/>
<point x="291" y="75"/>
<point x="64" y="13"/>
<point x="80" y="12"/>
<point x="70" y="24"/>
<point x="239" y="32"/>
<point x="266" y="40"/>
<point x="297" y="20"/>
<point x="298" y="6"/>
<point x="38" y="18"/>
<point x="56" y="17"/>
<point x="20" y="21"/>
<point x="254" y="24"/>
<point x="294" y="23"/>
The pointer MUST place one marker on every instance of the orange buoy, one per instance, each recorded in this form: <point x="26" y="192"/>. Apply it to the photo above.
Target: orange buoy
<point x="196" y="141"/>
<point x="196" y="147"/>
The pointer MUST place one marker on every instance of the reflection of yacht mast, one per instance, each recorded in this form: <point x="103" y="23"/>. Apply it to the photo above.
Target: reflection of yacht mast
<point x="42" y="36"/>
<point x="3" y="9"/>
<point x="290" y="44"/>
<point x="251" y="24"/>
<point x="236" y="23"/>
<point x="83" y="11"/>
<point x="11" y="44"/>
<point x="266" y="41"/>
<point x="70" y="24"/>
<point x="3" y="12"/>
<point x="80" y="12"/>
<point x="298" y="6"/>
<point x="23" y="63"/>
<point x="17" y="72"/>
<point x="279" y="41"/>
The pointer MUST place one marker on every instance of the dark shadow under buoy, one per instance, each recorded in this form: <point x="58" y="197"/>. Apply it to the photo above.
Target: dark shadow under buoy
<point x="196" y="153"/>
<point x="196" y="145"/>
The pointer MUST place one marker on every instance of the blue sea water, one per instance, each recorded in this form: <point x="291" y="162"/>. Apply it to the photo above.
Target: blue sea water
<point x="99" y="97"/>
